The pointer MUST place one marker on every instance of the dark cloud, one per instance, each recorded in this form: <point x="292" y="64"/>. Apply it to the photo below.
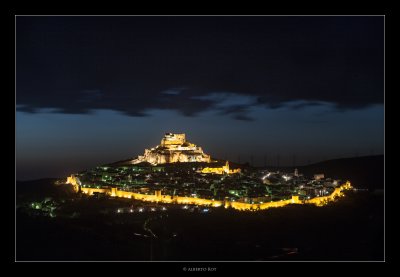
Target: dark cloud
<point x="239" y="112"/>
<point x="134" y="64"/>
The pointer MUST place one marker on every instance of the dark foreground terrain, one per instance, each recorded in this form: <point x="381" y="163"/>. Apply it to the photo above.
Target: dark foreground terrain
<point x="54" y="223"/>
<point x="92" y="229"/>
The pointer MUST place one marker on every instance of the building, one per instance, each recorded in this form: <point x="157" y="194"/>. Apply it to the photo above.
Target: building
<point x="220" y="170"/>
<point x="319" y="176"/>
<point x="173" y="139"/>
<point x="173" y="149"/>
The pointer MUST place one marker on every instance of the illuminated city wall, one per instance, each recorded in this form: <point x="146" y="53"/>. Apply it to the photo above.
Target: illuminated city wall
<point x="323" y="200"/>
<point x="90" y="191"/>
<point x="198" y="201"/>
<point x="158" y="197"/>
<point x="275" y="204"/>
<point x="74" y="182"/>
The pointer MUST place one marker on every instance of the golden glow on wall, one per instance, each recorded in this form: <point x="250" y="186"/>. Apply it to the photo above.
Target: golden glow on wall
<point x="173" y="139"/>
<point x="220" y="170"/>
<point x="74" y="182"/>
<point x="338" y="192"/>
<point x="158" y="197"/>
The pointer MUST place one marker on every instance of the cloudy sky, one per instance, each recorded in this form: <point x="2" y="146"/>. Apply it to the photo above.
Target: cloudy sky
<point x="93" y="90"/>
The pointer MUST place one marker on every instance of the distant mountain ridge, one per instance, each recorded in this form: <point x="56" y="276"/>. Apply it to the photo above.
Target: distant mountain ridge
<point x="362" y="172"/>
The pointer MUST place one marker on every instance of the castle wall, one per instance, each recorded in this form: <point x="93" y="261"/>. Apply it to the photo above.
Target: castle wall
<point x="174" y="153"/>
<point x="247" y="206"/>
<point x="158" y="197"/>
<point x="323" y="200"/>
<point x="74" y="182"/>
<point x="170" y="139"/>
<point x="90" y="191"/>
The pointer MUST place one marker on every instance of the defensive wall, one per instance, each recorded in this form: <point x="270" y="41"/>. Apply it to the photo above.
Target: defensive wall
<point x="158" y="197"/>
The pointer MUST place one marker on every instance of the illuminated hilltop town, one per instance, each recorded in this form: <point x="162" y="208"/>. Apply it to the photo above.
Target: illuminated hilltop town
<point x="179" y="172"/>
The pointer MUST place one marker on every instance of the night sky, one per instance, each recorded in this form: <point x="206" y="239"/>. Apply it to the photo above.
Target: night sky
<point x="93" y="90"/>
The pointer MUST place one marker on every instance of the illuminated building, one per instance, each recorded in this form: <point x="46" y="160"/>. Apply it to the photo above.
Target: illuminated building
<point x="75" y="182"/>
<point x="319" y="176"/>
<point x="220" y="170"/>
<point x="173" y="148"/>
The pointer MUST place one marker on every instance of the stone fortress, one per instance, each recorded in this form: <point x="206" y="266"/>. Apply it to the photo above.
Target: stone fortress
<point x="173" y="148"/>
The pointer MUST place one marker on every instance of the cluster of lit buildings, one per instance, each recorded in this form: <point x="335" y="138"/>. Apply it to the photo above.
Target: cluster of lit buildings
<point x="179" y="172"/>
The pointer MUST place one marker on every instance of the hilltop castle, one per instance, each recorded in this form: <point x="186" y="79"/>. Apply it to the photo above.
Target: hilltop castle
<point x="173" y="148"/>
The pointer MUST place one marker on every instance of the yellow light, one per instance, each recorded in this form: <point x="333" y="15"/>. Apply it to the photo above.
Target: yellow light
<point x="318" y="201"/>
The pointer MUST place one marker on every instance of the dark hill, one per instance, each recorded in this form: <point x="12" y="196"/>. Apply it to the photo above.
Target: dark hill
<point x="36" y="190"/>
<point x="362" y="172"/>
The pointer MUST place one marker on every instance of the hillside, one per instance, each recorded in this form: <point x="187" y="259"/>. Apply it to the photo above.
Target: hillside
<point x="362" y="172"/>
<point x="36" y="190"/>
